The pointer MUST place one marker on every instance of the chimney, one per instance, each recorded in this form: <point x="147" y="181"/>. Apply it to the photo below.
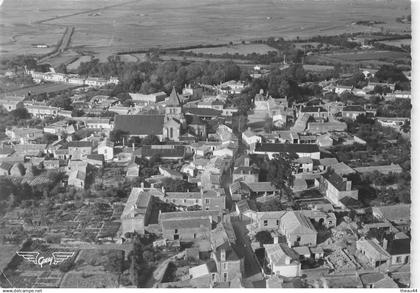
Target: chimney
<point x="348" y="185"/>
<point x="163" y="190"/>
<point x="142" y="186"/>
<point x="152" y="185"/>
<point x="276" y="239"/>
<point x="287" y="260"/>
<point x="246" y="162"/>
<point x="385" y="244"/>
<point x="223" y="254"/>
<point x="134" y="148"/>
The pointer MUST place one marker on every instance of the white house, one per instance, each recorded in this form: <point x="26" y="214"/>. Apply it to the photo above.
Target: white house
<point x="249" y="137"/>
<point x="98" y="123"/>
<point x="282" y="260"/>
<point x="301" y="150"/>
<point x="150" y="98"/>
<point x="106" y="148"/>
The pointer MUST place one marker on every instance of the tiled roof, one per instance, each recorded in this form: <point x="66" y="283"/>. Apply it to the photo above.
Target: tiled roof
<point x="171" y="216"/>
<point x="342" y="169"/>
<point x="399" y="246"/>
<point x="186" y="195"/>
<point x="140" y="124"/>
<point x="336" y="180"/>
<point x="278" y="253"/>
<point x="137" y="202"/>
<point x="287" y="148"/>
<point x="197" y="121"/>
<point x="260" y="186"/>
<point x="271" y="215"/>
<point x="243" y="206"/>
<point x="353" y="108"/>
<point x="231" y="254"/>
<point x="374" y="249"/>
<point x="203" y="112"/>
<point x="80" y="144"/>
<point x="187" y="223"/>
<point x="6" y="166"/>
<point x="313" y="109"/>
<point x="174" y="151"/>
<point x="297" y="223"/>
<point x="95" y="157"/>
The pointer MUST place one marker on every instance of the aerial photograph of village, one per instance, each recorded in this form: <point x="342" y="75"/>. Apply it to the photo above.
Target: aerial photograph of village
<point x="205" y="144"/>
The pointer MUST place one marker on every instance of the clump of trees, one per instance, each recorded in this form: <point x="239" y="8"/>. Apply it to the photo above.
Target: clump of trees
<point x="396" y="108"/>
<point x="177" y="185"/>
<point x="264" y="237"/>
<point x="278" y="170"/>
<point x="148" y="77"/>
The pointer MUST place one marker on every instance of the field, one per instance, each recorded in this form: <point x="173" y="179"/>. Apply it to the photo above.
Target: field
<point x="366" y="57"/>
<point x="397" y="43"/>
<point x="104" y="27"/>
<point x="74" y="65"/>
<point x="40" y="89"/>
<point x="315" y="68"/>
<point x="241" y="49"/>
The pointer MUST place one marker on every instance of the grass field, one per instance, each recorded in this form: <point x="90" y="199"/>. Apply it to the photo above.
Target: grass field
<point x="309" y="67"/>
<point x="397" y="43"/>
<point x="121" y="25"/>
<point x="367" y="57"/>
<point x="241" y="49"/>
<point x="40" y="89"/>
<point x="74" y="65"/>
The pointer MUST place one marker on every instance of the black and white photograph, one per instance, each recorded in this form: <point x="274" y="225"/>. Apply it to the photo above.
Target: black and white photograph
<point x="208" y="144"/>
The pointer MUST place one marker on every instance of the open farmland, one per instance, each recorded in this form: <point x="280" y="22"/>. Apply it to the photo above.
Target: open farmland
<point x="74" y="65"/>
<point x="107" y="27"/>
<point x="40" y="89"/>
<point x="364" y="57"/>
<point x="241" y="49"/>
<point x="397" y="43"/>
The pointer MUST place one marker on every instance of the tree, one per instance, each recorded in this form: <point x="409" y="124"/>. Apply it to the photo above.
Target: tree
<point x="390" y="73"/>
<point x="48" y="138"/>
<point x="150" y="140"/>
<point x="280" y="170"/>
<point x="406" y="127"/>
<point x="284" y="88"/>
<point x="117" y="135"/>
<point x="264" y="237"/>
<point x="242" y="103"/>
<point x="20" y="114"/>
<point x="268" y="125"/>
<point x="61" y="101"/>
<point x="176" y="185"/>
<point x="62" y="68"/>
<point x="138" y="267"/>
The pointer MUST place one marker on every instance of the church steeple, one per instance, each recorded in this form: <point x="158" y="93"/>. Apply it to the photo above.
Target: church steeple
<point x="173" y="100"/>
<point x="173" y="107"/>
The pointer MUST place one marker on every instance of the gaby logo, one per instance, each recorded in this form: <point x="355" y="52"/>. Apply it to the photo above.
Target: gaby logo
<point x="56" y="258"/>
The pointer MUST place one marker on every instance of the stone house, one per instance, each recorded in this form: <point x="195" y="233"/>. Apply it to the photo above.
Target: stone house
<point x="282" y="260"/>
<point x="137" y="210"/>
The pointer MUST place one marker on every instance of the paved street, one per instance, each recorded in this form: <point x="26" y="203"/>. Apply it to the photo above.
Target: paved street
<point x="252" y="267"/>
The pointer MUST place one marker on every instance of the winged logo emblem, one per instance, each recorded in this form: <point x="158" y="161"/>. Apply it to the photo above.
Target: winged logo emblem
<point x="56" y="258"/>
<point x="29" y="256"/>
